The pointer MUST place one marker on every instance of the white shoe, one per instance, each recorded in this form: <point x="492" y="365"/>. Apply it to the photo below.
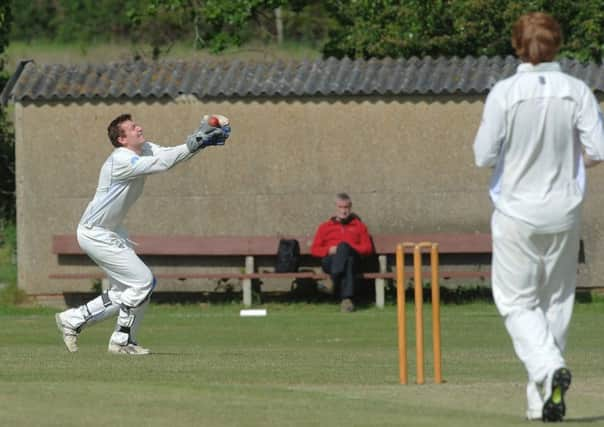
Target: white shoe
<point x="141" y="350"/>
<point x="70" y="335"/>
<point x="129" y="349"/>
<point x="534" y="402"/>
<point x="534" y="415"/>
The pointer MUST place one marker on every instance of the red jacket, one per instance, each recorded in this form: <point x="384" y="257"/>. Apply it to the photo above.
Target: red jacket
<point x="333" y="232"/>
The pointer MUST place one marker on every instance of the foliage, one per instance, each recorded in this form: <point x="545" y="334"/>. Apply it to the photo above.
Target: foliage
<point x="8" y="239"/>
<point x="216" y="24"/>
<point x="5" y="23"/>
<point x="358" y="29"/>
<point x="212" y="24"/>
<point x="84" y="21"/>
<point x="9" y="293"/>
<point x="7" y="168"/>
<point x="160" y="23"/>
<point x="34" y="18"/>
<point x="381" y="28"/>
<point x="7" y="152"/>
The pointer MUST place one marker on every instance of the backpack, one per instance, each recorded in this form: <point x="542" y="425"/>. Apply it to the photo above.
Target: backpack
<point x="288" y="256"/>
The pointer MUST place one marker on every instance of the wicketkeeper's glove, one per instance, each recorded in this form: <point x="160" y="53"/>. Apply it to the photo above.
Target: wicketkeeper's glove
<point x="207" y="135"/>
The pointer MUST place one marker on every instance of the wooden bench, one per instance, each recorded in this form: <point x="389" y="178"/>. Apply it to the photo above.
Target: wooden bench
<point x="458" y="245"/>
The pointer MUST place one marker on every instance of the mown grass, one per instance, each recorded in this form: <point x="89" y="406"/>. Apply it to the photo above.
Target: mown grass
<point x="302" y="365"/>
<point x="44" y="52"/>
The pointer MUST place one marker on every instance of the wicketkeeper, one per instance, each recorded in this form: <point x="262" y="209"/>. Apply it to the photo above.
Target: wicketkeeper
<point x="101" y="235"/>
<point x="540" y="129"/>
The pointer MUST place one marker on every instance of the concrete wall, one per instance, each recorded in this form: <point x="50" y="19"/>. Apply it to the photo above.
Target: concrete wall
<point x="407" y="162"/>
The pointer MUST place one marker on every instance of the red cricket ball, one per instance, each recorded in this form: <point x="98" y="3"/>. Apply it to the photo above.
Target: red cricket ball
<point x="214" y="122"/>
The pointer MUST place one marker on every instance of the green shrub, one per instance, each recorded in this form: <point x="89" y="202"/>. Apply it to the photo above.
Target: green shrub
<point x="9" y="292"/>
<point x="8" y="243"/>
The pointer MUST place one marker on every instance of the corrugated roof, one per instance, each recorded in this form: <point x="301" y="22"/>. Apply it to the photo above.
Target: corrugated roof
<point x="334" y="77"/>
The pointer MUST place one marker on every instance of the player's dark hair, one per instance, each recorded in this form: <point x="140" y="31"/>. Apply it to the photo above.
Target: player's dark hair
<point x="114" y="130"/>
<point x="536" y="37"/>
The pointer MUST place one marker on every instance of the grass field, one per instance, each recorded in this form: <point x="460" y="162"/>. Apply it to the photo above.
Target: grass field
<point x="302" y="365"/>
<point x="55" y="53"/>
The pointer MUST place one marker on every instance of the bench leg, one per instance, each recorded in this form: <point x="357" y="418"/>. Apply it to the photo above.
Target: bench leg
<point x="380" y="284"/>
<point x="247" y="283"/>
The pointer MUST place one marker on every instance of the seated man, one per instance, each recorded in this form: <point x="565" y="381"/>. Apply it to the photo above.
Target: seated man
<point x="340" y="242"/>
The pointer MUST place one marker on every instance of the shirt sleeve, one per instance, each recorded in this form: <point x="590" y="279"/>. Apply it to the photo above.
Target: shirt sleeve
<point x="364" y="247"/>
<point x="590" y="126"/>
<point x="491" y="133"/>
<point x="318" y="248"/>
<point x="128" y="165"/>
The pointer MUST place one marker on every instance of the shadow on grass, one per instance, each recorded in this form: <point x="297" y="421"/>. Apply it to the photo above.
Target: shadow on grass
<point x="585" y="419"/>
<point x="167" y="353"/>
<point x="310" y="292"/>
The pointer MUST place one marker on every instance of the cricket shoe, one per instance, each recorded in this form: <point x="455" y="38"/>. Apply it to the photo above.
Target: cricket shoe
<point x="70" y="335"/>
<point x="130" y="349"/>
<point x="556" y="385"/>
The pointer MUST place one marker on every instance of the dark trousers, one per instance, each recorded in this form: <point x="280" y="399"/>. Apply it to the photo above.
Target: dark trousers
<point x="343" y="267"/>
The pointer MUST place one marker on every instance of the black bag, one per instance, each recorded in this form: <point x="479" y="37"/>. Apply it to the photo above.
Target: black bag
<point x="288" y="256"/>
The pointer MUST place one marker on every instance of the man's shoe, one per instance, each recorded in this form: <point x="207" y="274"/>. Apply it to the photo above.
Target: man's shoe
<point x="346" y="306"/>
<point x="128" y="349"/>
<point x="556" y="385"/>
<point x="70" y="335"/>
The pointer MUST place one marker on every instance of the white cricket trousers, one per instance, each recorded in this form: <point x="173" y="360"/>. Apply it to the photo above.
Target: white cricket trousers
<point x="533" y="280"/>
<point x="131" y="283"/>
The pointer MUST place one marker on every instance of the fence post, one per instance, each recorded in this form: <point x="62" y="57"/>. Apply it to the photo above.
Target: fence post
<point x="380" y="284"/>
<point x="247" y="283"/>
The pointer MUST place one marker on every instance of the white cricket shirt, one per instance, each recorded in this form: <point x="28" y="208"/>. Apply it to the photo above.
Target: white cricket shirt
<point x="122" y="179"/>
<point x="534" y="129"/>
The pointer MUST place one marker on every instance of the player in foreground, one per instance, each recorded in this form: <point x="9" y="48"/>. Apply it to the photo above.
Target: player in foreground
<point x="540" y="128"/>
<point x="101" y="236"/>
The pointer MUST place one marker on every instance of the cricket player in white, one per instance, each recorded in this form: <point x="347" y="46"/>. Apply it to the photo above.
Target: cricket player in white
<point x="539" y="129"/>
<point x="101" y="235"/>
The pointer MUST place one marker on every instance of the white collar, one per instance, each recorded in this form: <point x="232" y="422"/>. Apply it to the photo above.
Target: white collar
<point x="543" y="66"/>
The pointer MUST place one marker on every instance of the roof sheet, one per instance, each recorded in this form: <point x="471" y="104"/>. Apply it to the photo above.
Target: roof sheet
<point x="325" y="77"/>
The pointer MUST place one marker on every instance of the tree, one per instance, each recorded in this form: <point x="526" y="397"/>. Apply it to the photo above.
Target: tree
<point x="160" y="23"/>
<point x="7" y="152"/>
<point x="404" y="28"/>
<point x="218" y="24"/>
<point x="7" y="169"/>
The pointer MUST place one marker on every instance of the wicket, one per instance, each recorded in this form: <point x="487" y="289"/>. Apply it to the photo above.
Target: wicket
<point x="419" y="305"/>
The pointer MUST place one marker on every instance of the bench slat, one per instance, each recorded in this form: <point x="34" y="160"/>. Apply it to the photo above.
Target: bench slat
<point x="175" y="245"/>
<point x="450" y="243"/>
<point x="301" y="275"/>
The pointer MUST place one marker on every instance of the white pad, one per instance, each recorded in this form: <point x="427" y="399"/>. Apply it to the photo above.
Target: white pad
<point x="128" y="321"/>
<point x="99" y="308"/>
<point x="137" y="321"/>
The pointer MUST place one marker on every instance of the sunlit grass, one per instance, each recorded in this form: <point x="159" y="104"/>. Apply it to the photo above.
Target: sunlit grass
<point x="44" y="52"/>
<point x="302" y="365"/>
